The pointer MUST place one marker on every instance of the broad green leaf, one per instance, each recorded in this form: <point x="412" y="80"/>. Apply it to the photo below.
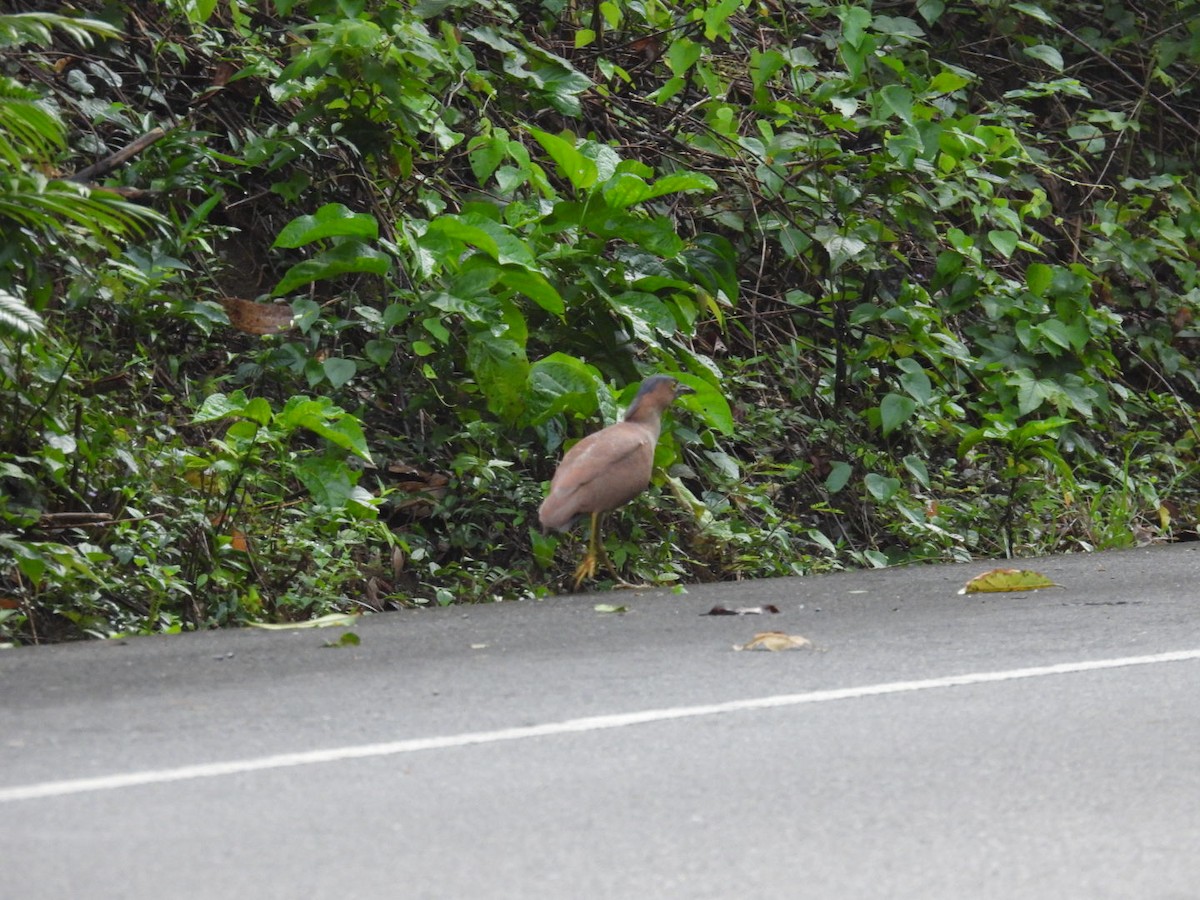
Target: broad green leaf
<point x="1033" y="11"/>
<point x="1046" y="54"/>
<point x="379" y="352"/>
<point x="340" y="260"/>
<point x="931" y="10"/>
<point x="535" y="286"/>
<point x="1090" y="138"/>
<point x="915" y="381"/>
<point x="624" y="190"/>
<point x="899" y="101"/>
<point x="841" y="247"/>
<point x="649" y="316"/>
<point x="765" y="66"/>
<point x="458" y="229"/>
<point x="331" y="220"/>
<point x="708" y="402"/>
<point x="682" y="55"/>
<point x="838" y="477"/>
<point x="855" y="22"/>
<point x="917" y="468"/>
<point x="678" y="182"/>
<point x="716" y="19"/>
<point x="561" y="383"/>
<point x="501" y="370"/>
<point x="258" y="410"/>
<point x="1038" y="278"/>
<point x="894" y="411"/>
<point x="485" y="153"/>
<point x="946" y="82"/>
<point x="327" y="480"/>
<point x="1005" y="242"/>
<point x="326" y="419"/>
<point x="220" y="406"/>
<point x="880" y="487"/>
<point x="578" y="169"/>
<point x="339" y="370"/>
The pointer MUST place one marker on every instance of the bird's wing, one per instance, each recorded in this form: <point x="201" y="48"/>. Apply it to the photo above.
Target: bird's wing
<point x="596" y="455"/>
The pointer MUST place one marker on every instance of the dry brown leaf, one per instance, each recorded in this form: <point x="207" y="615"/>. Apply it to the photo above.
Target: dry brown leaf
<point x="257" y="318"/>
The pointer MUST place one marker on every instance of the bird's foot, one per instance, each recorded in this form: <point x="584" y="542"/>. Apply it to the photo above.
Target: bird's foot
<point x="587" y="569"/>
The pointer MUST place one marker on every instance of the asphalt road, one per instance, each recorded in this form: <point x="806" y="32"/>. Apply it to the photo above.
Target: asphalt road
<point x="1027" y="745"/>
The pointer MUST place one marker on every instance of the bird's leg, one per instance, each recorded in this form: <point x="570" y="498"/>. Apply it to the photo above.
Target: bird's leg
<point x="587" y="568"/>
<point x="603" y="553"/>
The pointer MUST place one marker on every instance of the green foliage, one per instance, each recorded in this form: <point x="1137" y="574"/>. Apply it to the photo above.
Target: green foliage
<point x="931" y="273"/>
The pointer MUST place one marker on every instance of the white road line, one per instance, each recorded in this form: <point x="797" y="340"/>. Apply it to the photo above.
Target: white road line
<point x="569" y="726"/>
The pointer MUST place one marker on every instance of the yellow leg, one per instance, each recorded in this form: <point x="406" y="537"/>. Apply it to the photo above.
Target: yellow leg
<point x="587" y="568"/>
<point x="595" y="553"/>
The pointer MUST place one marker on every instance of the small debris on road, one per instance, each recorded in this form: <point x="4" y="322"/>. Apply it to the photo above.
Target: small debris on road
<point x="774" y="641"/>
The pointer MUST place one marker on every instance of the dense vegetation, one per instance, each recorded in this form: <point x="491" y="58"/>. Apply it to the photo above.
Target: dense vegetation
<point x="300" y="300"/>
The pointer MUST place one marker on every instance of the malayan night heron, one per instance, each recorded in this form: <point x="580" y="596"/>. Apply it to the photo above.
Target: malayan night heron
<point x="608" y="468"/>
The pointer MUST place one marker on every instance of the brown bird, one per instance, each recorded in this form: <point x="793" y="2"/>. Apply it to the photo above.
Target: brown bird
<point x="608" y="468"/>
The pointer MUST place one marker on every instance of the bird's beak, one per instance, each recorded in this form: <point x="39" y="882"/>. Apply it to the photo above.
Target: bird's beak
<point x="681" y="389"/>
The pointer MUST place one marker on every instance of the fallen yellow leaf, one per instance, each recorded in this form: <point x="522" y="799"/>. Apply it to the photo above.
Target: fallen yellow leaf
<point x="999" y="580"/>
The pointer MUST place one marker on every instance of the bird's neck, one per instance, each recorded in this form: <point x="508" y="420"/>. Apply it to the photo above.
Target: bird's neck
<point x="649" y="419"/>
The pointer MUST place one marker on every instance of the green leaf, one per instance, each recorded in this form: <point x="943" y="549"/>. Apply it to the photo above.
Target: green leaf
<point x="339" y="370"/>
<point x="841" y="247"/>
<point x="678" y="182"/>
<point x="1005" y="242"/>
<point x="343" y="259"/>
<point x="379" y="352"/>
<point x="946" y="82"/>
<point x="838" y="477"/>
<point x="915" y="381"/>
<point x="219" y="406"/>
<point x="501" y="370"/>
<point x="1033" y="11"/>
<point x="1038" y="278"/>
<point x="258" y="410"/>
<point x="855" y="22"/>
<point x="899" y="101"/>
<point x="561" y="383"/>
<point x="468" y="233"/>
<point x="931" y="10"/>
<point x="918" y="470"/>
<point x="578" y="169"/>
<point x="535" y="286"/>
<point x="331" y="220"/>
<point x="894" y="411"/>
<point x="649" y="316"/>
<point x="682" y="55"/>
<point x="327" y="479"/>
<point x="322" y="417"/>
<point x="880" y="487"/>
<point x="624" y="190"/>
<point x="1046" y="54"/>
<point x="708" y="402"/>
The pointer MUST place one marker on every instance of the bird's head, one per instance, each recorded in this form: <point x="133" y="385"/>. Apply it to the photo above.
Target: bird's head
<point x="656" y="394"/>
